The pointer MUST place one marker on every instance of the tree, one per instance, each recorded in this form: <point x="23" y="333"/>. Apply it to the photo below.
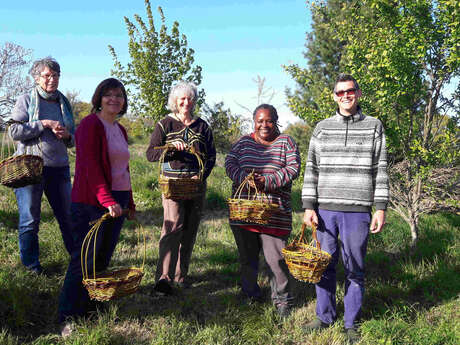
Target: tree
<point x="301" y="132"/>
<point x="226" y="127"/>
<point x="80" y="109"/>
<point x="13" y="81"/>
<point x="264" y="94"/>
<point x="405" y="62"/>
<point x="158" y="59"/>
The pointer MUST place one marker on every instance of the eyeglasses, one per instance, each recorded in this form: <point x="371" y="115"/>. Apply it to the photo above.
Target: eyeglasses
<point x="49" y="76"/>
<point x="350" y="92"/>
<point x="117" y="95"/>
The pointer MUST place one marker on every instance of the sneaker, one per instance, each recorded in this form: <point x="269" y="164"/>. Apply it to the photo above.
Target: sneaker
<point x="67" y="329"/>
<point x="314" y="325"/>
<point x="163" y="287"/>
<point x="352" y="335"/>
<point x="284" y="310"/>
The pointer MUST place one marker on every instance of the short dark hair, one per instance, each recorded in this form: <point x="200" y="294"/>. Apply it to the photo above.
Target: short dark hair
<point x="101" y="90"/>
<point x="271" y="111"/>
<point x="345" y="77"/>
<point x="39" y="65"/>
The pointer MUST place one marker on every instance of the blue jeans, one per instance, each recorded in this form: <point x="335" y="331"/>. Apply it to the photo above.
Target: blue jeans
<point x="353" y="230"/>
<point x="74" y="300"/>
<point x="57" y="187"/>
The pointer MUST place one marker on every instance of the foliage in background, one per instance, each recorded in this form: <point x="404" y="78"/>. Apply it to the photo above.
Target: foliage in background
<point x="301" y="132"/>
<point x="14" y="61"/>
<point x="79" y="107"/>
<point x="226" y="127"/>
<point x="405" y="62"/>
<point x="158" y="59"/>
<point x="264" y="94"/>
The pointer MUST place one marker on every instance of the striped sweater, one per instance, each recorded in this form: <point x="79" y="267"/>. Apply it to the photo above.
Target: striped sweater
<point x="279" y="163"/>
<point x="346" y="169"/>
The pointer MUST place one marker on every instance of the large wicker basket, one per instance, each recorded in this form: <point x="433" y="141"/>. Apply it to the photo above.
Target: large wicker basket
<point x="306" y="262"/>
<point x="255" y="209"/>
<point x="114" y="283"/>
<point x="18" y="171"/>
<point x="184" y="188"/>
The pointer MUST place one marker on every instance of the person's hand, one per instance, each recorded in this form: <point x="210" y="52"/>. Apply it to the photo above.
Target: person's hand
<point x="259" y="181"/>
<point x="179" y="145"/>
<point x="378" y="221"/>
<point x="310" y="217"/>
<point x="115" y="210"/>
<point x="131" y="214"/>
<point x="61" y="132"/>
<point x="195" y="177"/>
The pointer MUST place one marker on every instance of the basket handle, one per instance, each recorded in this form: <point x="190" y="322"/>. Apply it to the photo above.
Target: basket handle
<point x="249" y="182"/>
<point x="5" y="135"/>
<point x="92" y="235"/>
<point x="315" y="238"/>
<point x="189" y="148"/>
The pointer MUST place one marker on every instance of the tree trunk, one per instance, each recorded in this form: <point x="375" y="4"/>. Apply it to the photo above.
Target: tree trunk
<point x="413" y="230"/>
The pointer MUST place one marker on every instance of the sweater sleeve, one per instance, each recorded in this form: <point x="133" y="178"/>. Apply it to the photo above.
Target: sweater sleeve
<point x="89" y="147"/>
<point x="157" y="138"/>
<point x="310" y="182"/>
<point x="232" y="165"/>
<point x="27" y="130"/>
<point x="210" y="153"/>
<point x="288" y="173"/>
<point x="380" y="173"/>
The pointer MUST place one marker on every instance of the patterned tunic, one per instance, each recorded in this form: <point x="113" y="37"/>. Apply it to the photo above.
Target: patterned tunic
<point x="279" y="163"/>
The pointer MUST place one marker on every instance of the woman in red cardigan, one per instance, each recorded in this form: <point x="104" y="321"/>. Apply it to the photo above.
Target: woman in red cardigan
<point x="102" y="184"/>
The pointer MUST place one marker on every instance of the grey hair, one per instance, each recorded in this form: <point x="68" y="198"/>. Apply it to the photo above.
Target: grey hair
<point x="39" y="65"/>
<point x="186" y="87"/>
<point x="345" y="77"/>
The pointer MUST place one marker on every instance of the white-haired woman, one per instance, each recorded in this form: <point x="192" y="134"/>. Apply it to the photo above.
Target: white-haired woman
<point x="181" y="218"/>
<point x="47" y="121"/>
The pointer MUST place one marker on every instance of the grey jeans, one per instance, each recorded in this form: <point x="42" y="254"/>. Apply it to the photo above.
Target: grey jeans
<point x="181" y="219"/>
<point x="249" y="245"/>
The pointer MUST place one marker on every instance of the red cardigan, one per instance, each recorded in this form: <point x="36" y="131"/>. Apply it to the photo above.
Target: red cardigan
<point x="93" y="177"/>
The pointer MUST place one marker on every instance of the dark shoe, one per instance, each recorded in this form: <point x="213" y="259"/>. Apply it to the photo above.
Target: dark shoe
<point x="183" y="285"/>
<point x="284" y="310"/>
<point x="314" y="325"/>
<point x="163" y="287"/>
<point x="353" y="335"/>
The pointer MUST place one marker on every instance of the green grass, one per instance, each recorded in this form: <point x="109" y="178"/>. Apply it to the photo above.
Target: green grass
<point x="412" y="297"/>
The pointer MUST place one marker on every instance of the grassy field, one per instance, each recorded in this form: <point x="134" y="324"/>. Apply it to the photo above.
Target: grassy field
<point x="411" y="297"/>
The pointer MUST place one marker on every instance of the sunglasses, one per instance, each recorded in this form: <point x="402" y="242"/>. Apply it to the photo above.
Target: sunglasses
<point x="341" y="93"/>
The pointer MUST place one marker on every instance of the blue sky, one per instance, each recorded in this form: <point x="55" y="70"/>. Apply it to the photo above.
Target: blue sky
<point x="234" y="41"/>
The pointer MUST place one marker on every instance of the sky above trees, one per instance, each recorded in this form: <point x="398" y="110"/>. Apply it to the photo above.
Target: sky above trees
<point x="234" y="41"/>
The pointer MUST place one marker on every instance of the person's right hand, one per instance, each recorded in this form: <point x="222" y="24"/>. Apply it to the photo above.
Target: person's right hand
<point x="179" y="145"/>
<point x="59" y="131"/>
<point x="115" y="210"/>
<point x="310" y="217"/>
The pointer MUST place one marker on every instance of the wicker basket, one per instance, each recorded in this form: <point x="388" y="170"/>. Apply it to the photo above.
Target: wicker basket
<point x="184" y="188"/>
<point x="254" y="209"/>
<point x="18" y="171"/>
<point x="110" y="284"/>
<point x="306" y="262"/>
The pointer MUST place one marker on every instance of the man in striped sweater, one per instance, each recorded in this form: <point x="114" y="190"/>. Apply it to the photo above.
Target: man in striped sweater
<point x="345" y="176"/>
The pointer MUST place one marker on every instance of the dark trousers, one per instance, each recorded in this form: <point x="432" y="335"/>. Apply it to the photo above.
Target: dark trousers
<point x="249" y="245"/>
<point x="353" y="229"/>
<point x="74" y="300"/>
<point x="181" y="219"/>
<point x="56" y="185"/>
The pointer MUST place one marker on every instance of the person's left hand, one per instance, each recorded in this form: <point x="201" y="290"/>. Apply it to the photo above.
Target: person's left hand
<point x="61" y="132"/>
<point x="378" y="221"/>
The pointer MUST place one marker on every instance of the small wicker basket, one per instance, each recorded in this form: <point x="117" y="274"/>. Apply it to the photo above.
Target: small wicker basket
<point x="255" y="209"/>
<point x="306" y="262"/>
<point x="184" y="188"/>
<point x="110" y="284"/>
<point x="21" y="170"/>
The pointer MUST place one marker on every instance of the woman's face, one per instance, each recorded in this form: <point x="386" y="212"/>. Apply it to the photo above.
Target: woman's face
<point x="184" y="103"/>
<point x="112" y="101"/>
<point x="48" y="80"/>
<point x="264" y="126"/>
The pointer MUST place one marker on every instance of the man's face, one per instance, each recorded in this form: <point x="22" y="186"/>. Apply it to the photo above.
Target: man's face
<point x="347" y="96"/>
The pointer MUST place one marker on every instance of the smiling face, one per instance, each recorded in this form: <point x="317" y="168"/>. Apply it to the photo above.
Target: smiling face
<point x="184" y="103"/>
<point x="264" y="126"/>
<point x="48" y="80"/>
<point x="112" y="101"/>
<point x="346" y="96"/>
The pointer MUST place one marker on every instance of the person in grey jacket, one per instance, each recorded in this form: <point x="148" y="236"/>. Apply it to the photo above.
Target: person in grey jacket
<point x="46" y="128"/>
<point x="345" y="176"/>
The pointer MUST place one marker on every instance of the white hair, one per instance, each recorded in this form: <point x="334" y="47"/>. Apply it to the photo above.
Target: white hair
<point x="186" y="87"/>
